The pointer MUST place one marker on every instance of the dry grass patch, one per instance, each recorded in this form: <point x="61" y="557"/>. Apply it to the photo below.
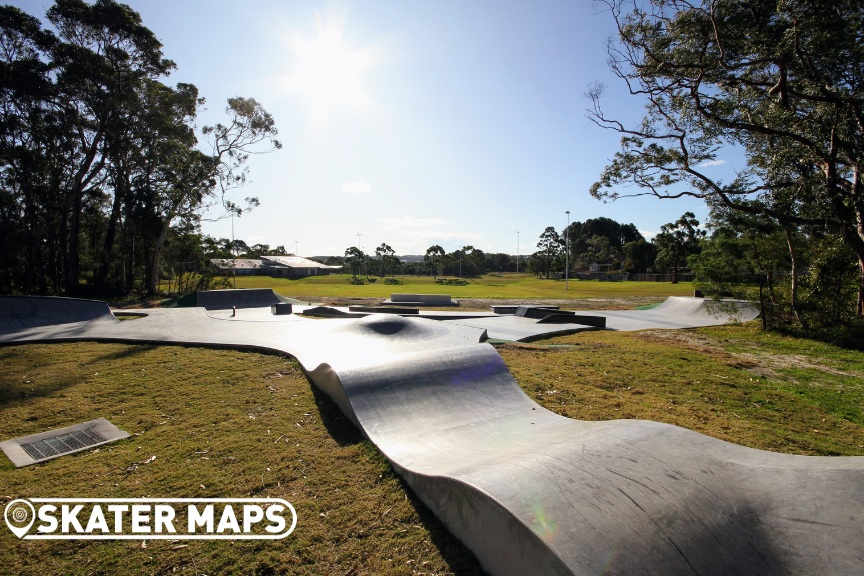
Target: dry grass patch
<point x="698" y="379"/>
<point x="219" y="424"/>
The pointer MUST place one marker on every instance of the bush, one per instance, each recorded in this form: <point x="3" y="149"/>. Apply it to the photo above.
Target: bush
<point x="392" y="281"/>
<point x="451" y="282"/>
<point x="356" y="281"/>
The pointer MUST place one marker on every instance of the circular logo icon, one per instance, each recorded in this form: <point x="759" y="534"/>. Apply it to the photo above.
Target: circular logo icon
<point x="19" y="515"/>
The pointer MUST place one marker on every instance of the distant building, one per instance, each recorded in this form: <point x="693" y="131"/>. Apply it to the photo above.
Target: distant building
<point x="243" y="266"/>
<point x="275" y="266"/>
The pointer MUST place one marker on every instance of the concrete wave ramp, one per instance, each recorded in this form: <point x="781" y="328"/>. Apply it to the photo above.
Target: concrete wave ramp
<point x="531" y="492"/>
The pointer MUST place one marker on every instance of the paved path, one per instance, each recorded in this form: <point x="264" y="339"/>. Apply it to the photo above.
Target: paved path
<point x="531" y="492"/>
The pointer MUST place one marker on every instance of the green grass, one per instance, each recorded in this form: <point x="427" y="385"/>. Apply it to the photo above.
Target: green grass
<point x="505" y="286"/>
<point x="238" y="424"/>
<point x="735" y="383"/>
<point x="220" y="424"/>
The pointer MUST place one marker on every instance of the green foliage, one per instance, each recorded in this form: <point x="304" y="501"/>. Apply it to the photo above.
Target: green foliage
<point x="99" y="158"/>
<point x="676" y="242"/>
<point x="392" y="281"/>
<point x="451" y="282"/>
<point x="781" y="81"/>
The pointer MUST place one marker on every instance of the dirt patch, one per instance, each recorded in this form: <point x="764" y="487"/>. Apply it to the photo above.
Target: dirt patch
<point x="762" y="364"/>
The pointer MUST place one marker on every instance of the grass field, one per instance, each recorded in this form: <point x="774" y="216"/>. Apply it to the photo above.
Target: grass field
<point x="234" y="424"/>
<point x="505" y="286"/>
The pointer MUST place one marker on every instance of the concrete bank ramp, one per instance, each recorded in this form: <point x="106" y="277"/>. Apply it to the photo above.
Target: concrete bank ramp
<point x="681" y="312"/>
<point x="17" y="312"/>
<point x="676" y="312"/>
<point x="240" y="298"/>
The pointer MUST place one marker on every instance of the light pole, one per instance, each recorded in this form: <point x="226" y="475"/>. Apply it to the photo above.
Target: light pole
<point x="517" y="252"/>
<point x="296" y="248"/>
<point x="567" y="251"/>
<point x="233" y="249"/>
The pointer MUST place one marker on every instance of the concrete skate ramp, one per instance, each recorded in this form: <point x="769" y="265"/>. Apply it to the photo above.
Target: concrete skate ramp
<point x="17" y="312"/>
<point x="676" y="312"/>
<point x="681" y="312"/>
<point x="531" y="492"/>
<point x="240" y="298"/>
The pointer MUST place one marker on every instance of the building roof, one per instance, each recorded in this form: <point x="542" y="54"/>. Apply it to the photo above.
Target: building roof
<point x="239" y="263"/>
<point x="295" y="262"/>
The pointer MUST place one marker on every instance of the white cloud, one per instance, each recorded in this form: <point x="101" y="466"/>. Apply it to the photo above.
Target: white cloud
<point x="708" y="163"/>
<point x="411" y="222"/>
<point x="357" y="187"/>
<point x="649" y="234"/>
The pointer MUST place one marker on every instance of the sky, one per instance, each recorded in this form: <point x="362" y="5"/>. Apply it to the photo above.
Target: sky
<point x="410" y="123"/>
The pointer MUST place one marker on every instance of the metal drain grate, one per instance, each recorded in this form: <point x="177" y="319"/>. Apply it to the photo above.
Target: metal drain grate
<point x="53" y="443"/>
<point x="59" y="445"/>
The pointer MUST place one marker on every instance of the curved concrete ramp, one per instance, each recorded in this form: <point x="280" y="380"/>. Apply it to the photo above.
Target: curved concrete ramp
<point x="676" y="312"/>
<point x="17" y="312"/>
<point x="240" y="298"/>
<point x="531" y="492"/>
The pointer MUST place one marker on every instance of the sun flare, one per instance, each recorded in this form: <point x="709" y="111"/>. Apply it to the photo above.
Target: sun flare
<point x="327" y="72"/>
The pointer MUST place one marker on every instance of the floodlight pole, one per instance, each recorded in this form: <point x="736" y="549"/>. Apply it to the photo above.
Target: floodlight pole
<point x="233" y="249"/>
<point x="567" y="251"/>
<point x="296" y="249"/>
<point x="517" y="252"/>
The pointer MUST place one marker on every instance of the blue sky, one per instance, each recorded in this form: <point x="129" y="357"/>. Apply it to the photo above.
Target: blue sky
<point x="451" y="122"/>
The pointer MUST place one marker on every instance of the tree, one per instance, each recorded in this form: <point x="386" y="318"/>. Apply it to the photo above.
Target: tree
<point x="639" y="256"/>
<point x="781" y="80"/>
<point x="99" y="158"/>
<point x="385" y="255"/>
<point x="434" y="251"/>
<point x="676" y="242"/>
<point x="354" y="258"/>
<point x="740" y="247"/>
<point x="550" y="249"/>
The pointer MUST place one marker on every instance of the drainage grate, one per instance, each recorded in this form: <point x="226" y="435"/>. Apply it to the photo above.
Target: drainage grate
<point x="53" y="443"/>
<point x="62" y="444"/>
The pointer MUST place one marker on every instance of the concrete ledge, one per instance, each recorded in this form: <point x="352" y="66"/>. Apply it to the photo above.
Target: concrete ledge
<point x="511" y="309"/>
<point x="421" y="300"/>
<point x="282" y="309"/>
<point x="383" y="310"/>
<point x="572" y="318"/>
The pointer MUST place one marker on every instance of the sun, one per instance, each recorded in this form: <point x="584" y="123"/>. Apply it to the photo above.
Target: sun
<point x="327" y="72"/>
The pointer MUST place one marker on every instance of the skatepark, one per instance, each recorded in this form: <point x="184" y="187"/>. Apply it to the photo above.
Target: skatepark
<point x="620" y="496"/>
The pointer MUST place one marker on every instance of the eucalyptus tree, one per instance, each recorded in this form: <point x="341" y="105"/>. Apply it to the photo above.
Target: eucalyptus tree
<point x="354" y="258"/>
<point x="385" y="255"/>
<point x="434" y="251"/>
<point x="103" y="55"/>
<point x="551" y="248"/>
<point x="781" y="80"/>
<point x="676" y="242"/>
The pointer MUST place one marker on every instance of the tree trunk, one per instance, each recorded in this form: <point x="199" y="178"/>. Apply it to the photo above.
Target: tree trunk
<point x="793" y="255"/>
<point x="155" y="256"/>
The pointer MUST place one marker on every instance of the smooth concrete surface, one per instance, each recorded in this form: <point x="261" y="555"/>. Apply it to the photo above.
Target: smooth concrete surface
<point x="420" y="300"/>
<point x="17" y="312"/>
<point x="531" y="492"/>
<point x="239" y="298"/>
<point x="675" y="312"/>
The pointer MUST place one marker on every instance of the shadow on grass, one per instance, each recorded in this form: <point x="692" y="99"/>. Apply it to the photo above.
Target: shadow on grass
<point x="459" y="558"/>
